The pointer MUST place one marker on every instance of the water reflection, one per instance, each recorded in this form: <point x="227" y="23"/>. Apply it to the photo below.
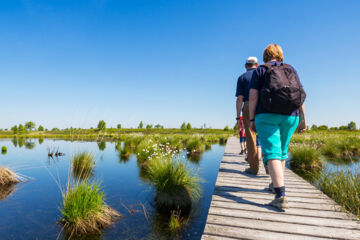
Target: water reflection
<point x="7" y="190"/>
<point x="29" y="144"/>
<point x="102" y="145"/>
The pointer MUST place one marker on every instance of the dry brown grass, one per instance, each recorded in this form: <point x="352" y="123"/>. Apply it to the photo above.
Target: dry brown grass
<point x="7" y="177"/>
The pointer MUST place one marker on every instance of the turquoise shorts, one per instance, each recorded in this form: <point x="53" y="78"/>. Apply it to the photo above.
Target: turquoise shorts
<point x="275" y="132"/>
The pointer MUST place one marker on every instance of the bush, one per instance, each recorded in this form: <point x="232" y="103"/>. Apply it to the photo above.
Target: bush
<point x="84" y="209"/>
<point x="176" y="185"/>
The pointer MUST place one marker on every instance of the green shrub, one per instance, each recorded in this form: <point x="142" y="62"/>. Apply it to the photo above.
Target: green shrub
<point x="177" y="186"/>
<point x="84" y="209"/>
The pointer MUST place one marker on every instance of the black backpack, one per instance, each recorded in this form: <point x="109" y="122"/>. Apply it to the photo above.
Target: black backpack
<point x="282" y="91"/>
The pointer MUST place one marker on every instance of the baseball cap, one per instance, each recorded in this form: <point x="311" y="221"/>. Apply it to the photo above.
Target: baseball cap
<point x="251" y="60"/>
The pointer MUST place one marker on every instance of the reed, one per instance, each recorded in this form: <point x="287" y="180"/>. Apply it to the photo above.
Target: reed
<point x="344" y="188"/>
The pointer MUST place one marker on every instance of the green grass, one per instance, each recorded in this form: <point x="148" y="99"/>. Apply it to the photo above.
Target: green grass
<point x="147" y="149"/>
<point x="83" y="165"/>
<point x="177" y="186"/>
<point x="84" y="210"/>
<point x="305" y="157"/>
<point x="342" y="148"/>
<point x="3" y="150"/>
<point x="194" y="145"/>
<point x="344" y="188"/>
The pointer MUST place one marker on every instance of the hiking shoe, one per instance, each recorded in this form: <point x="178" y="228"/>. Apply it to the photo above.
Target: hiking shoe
<point x="271" y="188"/>
<point x="279" y="203"/>
<point x="250" y="171"/>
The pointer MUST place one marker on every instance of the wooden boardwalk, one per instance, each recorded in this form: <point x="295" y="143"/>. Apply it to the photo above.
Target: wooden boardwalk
<point x="239" y="207"/>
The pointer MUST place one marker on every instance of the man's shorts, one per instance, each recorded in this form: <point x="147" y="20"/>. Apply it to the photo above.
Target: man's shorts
<point x="242" y="139"/>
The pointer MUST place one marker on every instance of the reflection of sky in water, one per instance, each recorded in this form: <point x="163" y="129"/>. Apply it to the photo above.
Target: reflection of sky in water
<point x="33" y="208"/>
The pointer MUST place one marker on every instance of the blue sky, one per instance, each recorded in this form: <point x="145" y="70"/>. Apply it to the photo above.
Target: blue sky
<point x="72" y="63"/>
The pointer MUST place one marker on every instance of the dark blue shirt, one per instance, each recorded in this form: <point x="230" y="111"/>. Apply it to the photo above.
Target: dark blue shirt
<point x="243" y="84"/>
<point x="257" y="83"/>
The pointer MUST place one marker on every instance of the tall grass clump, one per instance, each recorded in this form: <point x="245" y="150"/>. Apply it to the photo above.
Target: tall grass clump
<point x="8" y="177"/>
<point x="342" y="148"/>
<point x="305" y="158"/>
<point x="83" y="165"/>
<point x="84" y="210"/>
<point x="147" y="149"/>
<point x="223" y="139"/>
<point x="344" y="188"/>
<point x="194" y="145"/>
<point x="3" y="150"/>
<point x="177" y="186"/>
<point x="7" y="190"/>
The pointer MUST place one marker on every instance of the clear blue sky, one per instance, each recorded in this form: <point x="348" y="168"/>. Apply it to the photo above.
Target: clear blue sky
<point x="72" y="63"/>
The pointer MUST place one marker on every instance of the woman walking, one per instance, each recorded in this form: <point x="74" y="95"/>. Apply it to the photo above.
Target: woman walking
<point x="276" y="109"/>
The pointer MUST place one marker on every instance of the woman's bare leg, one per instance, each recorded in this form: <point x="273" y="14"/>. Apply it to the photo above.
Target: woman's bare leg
<point x="276" y="172"/>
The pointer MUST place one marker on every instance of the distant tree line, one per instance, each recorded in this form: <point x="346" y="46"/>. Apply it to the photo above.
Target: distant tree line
<point x="350" y="127"/>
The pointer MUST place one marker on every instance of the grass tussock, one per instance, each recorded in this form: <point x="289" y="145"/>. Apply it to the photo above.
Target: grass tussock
<point x="345" y="148"/>
<point x="306" y="158"/>
<point x="177" y="186"/>
<point x="84" y="210"/>
<point x="8" y="177"/>
<point x="83" y="165"/>
<point x="3" y="150"/>
<point x="194" y="145"/>
<point x="344" y="188"/>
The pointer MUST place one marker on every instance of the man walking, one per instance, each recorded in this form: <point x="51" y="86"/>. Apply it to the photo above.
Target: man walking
<point x="242" y="104"/>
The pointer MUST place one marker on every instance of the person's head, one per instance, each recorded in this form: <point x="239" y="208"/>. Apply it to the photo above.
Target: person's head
<point x="251" y="62"/>
<point x="273" y="52"/>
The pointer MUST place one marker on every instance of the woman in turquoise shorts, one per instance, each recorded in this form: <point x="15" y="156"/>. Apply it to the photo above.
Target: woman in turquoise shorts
<point x="274" y="129"/>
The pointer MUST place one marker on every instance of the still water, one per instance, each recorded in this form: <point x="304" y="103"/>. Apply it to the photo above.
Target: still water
<point x="31" y="210"/>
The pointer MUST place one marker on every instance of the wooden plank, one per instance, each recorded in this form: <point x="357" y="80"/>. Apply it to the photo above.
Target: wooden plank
<point x="248" y="233"/>
<point x="290" y="211"/>
<point x="292" y="204"/>
<point x="291" y="228"/>
<point x="239" y="208"/>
